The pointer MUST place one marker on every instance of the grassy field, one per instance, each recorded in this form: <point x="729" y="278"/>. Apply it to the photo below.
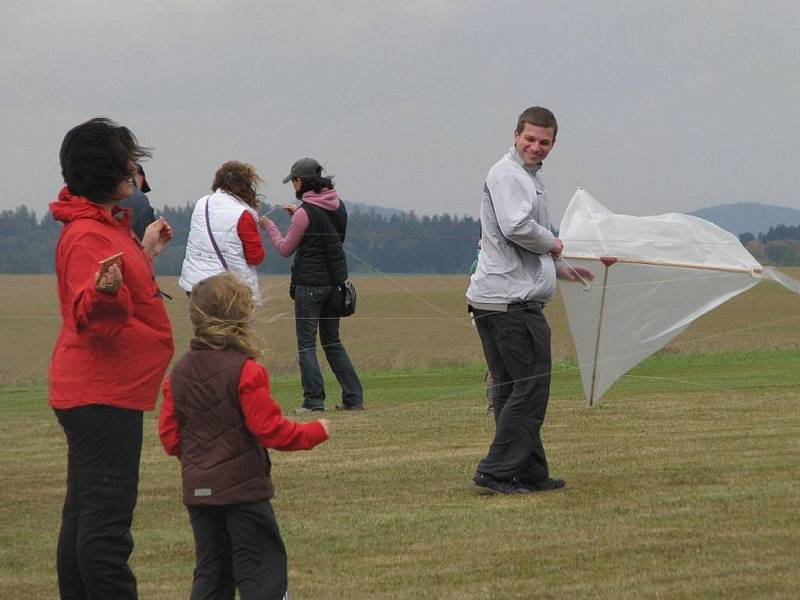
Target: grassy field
<point x="683" y="484"/>
<point x="402" y="322"/>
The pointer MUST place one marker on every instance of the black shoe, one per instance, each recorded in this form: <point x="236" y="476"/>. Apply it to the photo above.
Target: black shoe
<point x="349" y="407"/>
<point x="545" y="485"/>
<point x="489" y="485"/>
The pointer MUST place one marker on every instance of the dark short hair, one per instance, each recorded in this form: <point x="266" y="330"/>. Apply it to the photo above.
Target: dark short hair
<point x="314" y="183"/>
<point x="538" y="116"/>
<point x="238" y="179"/>
<point x="96" y="156"/>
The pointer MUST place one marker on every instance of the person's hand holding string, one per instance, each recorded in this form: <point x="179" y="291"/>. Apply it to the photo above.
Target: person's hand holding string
<point x="572" y="273"/>
<point x="156" y="237"/>
<point x="568" y="271"/>
<point x="108" y="278"/>
<point x="558" y="248"/>
<point x="266" y="222"/>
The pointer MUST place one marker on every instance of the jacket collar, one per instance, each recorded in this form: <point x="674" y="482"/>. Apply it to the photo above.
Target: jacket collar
<point x="70" y="207"/>
<point x="198" y="344"/>
<point x="533" y="170"/>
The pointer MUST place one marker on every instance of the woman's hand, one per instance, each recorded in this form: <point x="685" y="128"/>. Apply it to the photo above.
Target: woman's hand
<point x="156" y="237"/>
<point x="290" y="208"/>
<point x="108" y="279"/>
<point x="265" y="222"/>
<point x="326" y="425"/>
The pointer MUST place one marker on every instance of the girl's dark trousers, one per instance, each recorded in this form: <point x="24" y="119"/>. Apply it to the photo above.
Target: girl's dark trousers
<point x="238" y="546"/>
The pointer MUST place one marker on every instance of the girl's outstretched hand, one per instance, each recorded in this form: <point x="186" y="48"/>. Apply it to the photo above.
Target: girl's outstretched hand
<point x="326" y="425"/>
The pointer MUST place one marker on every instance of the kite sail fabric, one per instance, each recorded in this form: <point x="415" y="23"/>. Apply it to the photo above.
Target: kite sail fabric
<point x="653" y="276"/>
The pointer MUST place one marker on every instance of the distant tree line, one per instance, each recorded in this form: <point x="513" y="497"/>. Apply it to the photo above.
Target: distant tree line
<point x="400" y="243"/>
<point x="779" y="246"/>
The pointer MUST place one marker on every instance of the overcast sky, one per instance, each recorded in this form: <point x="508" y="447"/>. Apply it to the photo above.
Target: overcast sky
<point x="662" y="106"/>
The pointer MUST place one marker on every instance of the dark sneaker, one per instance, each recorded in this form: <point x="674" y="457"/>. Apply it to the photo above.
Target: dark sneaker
<point x="305" y="410"/>
<point x="349" y="407"/>
<point x="489" y="485"/>
<point x="545" y="485"/>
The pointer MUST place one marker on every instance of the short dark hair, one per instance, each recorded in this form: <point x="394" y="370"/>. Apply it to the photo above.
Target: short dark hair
<point x="96" y="156"/>
<point x="238" y="179"/>
<point x="315" y="183"/>
<point x="538" y="116"/>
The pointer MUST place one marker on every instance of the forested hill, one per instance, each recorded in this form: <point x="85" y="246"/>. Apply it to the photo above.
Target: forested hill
<point x="749" y="217"/>
<point x="386" y="242"/>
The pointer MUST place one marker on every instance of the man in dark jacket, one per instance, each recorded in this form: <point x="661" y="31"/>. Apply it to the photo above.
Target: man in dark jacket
<point x="143" y="213"/>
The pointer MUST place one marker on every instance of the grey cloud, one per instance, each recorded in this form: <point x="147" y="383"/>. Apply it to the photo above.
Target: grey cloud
<point x="662" y="106"/>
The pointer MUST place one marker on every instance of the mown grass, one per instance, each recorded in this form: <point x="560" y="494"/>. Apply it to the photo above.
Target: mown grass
<point x="683" y="484"/>
<point x="402" y="322"/>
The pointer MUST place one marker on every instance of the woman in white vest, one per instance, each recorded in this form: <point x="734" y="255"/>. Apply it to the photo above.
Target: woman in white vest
<point x="223" y="234"/>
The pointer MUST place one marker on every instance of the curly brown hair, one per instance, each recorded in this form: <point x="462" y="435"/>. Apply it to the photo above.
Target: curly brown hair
<point x="221" y="311"/>
<point x="238" y="179"/>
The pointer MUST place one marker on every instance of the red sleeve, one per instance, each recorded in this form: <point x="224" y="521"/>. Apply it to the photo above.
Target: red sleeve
<point x="168" y="431"/>
<point x="90" y="310"/>
<point x="263" y="418"/>
<point x="251" y="240"/>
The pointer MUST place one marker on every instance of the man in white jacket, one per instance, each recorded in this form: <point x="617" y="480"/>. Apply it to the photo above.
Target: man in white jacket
<point x="516" y="276"/>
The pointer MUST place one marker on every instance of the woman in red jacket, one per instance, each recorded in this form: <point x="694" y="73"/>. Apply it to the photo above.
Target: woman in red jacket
<point x="112" y="351"/>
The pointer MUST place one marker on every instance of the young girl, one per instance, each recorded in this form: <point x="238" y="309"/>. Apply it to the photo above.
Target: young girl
<point x="218" y="417"/>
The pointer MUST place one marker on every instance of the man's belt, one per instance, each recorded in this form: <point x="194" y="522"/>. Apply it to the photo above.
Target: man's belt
<point x="508" y="307"/>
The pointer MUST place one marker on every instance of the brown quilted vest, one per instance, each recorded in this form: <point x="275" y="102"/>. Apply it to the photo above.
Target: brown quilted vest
<point x="221" y="462"/>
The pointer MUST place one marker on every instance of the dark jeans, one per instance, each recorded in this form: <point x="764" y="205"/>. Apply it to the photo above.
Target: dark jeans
<point x="517" y="349"/>
<point x="237" y="546"/>
<point x="104" y="446"/>
<point x="310" y="315"/>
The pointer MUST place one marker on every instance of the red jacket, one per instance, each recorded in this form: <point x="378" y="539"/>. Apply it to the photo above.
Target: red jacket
<point x="112" y="349"/>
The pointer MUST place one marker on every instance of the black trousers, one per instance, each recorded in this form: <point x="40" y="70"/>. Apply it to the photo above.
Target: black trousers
<point x="104" y="447"/>
<point x="516" y="345"/>
<point x="238" y="546"/>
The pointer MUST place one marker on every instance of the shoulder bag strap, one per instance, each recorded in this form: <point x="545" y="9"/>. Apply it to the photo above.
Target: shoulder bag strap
<point x="211" y="237"/>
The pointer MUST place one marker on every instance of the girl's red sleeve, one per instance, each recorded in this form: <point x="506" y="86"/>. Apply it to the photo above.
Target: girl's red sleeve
<point x="168" y="430"/>
<point x="263" y="418"/>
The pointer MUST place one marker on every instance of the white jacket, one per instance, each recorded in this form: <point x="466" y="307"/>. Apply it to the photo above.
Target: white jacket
<point x="201" y="261"/>
<point x="514" y="263"/>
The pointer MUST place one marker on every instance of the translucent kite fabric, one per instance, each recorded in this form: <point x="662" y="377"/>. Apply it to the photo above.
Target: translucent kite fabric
<point x="653" y="276"/>
<point x="592" y="230"/>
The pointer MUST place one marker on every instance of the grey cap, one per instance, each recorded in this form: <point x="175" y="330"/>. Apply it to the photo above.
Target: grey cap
<point x="305" y="167"/>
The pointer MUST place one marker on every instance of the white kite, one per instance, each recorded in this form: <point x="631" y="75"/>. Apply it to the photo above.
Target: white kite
<point x="653" y="277"/>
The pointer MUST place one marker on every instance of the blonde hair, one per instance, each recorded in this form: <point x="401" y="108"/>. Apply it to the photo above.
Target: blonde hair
<point x="221" y="311"/>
